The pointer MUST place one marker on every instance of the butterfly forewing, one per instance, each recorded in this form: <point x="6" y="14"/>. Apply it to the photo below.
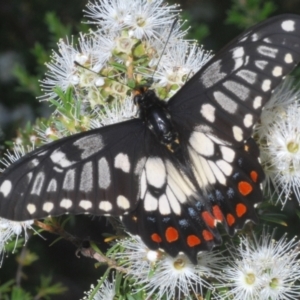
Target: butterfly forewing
<point x="229" y="92"/>
<point x="94" y="172"/>
<point x="172" y="198"/>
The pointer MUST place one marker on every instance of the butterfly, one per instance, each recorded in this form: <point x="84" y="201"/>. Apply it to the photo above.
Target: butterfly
<point x="178" y="169"/>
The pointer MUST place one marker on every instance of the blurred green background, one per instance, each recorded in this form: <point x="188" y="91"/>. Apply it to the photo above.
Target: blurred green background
<point x="29" y="30"/>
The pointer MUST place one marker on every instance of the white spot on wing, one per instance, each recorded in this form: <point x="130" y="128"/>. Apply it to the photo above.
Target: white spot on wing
<point x="143" y="185"/>
<point x="266" y="85"/>
<point x="35" y="162"/>
<point x="122" y="162"/>
<point x="288" y="58"/>
<point x="241" y="91"/>
<point x="212" y="74"/>
<point x="85" y="204"/>
<point x="38" y="183"/>
<point x="288" y="25"/>
<point x="237" y="133"/>
<point x="52" y="186"/>
<point x="89" y="144"/>
<point x="66" y="203"/>
<point x="248" y="120"/>
<point x="225" y="102"/>
<point x="59" y="158"/>
<point x="180" y="179"/>
<point x="69" y="180"/>
<point x="238" y="55"/>
<point x="104" y="177"/>
<point x="155" y="172"/>
<point x="225" y="167"/>
<point x="208" y="112"/>
<point x="163" y="205"/>
<point x="175" y="206"/>
<point x="217" y="172"/>
<point x="105" y="205"/>
<point x="201" y="169"/>
<point x="181" y="197"/>
<point x="31" y="208"/>
<point x="202" y="144"/>
<point x="86" y="177"/>
<point x="139" y="166"/>
<point x="257" y="102"/>
<point x="150" y="203"/>
<point x="48" y="206"/>
<point x="277" y="71"/>
<point x="261" y="64"/>
<point x="123" y="202"/>
<point x="247" y="75"/>
<point x="227" y="154"/>
<point x="5" y="188"/>
<point x="267" y="51"/>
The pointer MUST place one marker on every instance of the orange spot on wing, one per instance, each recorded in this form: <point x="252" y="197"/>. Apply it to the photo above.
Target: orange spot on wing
<point x="254" y="176"/>
<point x="245" y="188"/>
<point x="230" y="219"/>
<point x="171" y="234"/>
<point x="156" y="238"/>
<point x="208" y="219"/>
<point x="217" y="213"/>
<point x="240" y="209"/>
<point x="207" y="235"/>
<point x="193" y="240"/>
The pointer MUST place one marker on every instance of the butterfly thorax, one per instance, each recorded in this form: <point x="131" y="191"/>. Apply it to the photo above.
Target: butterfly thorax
<point x="156" y="116"/>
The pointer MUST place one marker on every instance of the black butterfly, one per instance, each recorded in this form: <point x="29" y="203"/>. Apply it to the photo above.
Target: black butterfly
<point x="179" y="168"/>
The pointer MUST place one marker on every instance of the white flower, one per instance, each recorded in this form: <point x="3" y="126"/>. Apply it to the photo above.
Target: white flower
<point x="109" y="14"/>
<point x="11" y="157"/>
<point x="141" y="18"/>
<point x="177" y="277"/>
<point x="279" y="138"/>
<point x="136" y="257"/>
<point x="12" y="229"/>
<point x="281" y="153"/>
<point x="179" y="63"/>
<point x="165" y="276"/>
<point x="105" y="292"/>
<point x="65" y="73"/>
<point x="263" y="269"/>
<point x="147" y="17"/>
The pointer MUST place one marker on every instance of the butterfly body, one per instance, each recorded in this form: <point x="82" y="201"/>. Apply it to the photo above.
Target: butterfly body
<point x="155" y="115"/>
<point x="179" y="169"/>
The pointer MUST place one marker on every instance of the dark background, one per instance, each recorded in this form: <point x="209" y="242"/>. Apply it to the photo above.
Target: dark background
<point x="22" y="26"/>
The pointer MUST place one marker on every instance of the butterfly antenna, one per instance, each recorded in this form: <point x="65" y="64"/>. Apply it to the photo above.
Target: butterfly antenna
<point x="164" y="49"/>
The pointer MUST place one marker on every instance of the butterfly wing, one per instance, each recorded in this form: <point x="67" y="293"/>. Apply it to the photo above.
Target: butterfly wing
<point x="214" y="113"/>
<point x="95" y="172"/>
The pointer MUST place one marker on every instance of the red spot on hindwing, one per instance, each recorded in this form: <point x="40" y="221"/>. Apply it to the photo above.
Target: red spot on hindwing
<point x="254" y="176"/>
<point x="217" y="213"/>
<point x="240" y="209"/>
<point x="230" y="219"/>
<point x="171" y="234"/>
<point x="207" y="235"/>
<point x="193" y="240"/>
<point x="245" y="188"/>
<point x="156" y="238"/>
<point x="208" y="219"/>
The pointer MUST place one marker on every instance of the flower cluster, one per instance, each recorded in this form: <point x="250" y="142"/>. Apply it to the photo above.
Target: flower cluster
<point x="279" y="139"/>
<point x="262" y="269"/>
